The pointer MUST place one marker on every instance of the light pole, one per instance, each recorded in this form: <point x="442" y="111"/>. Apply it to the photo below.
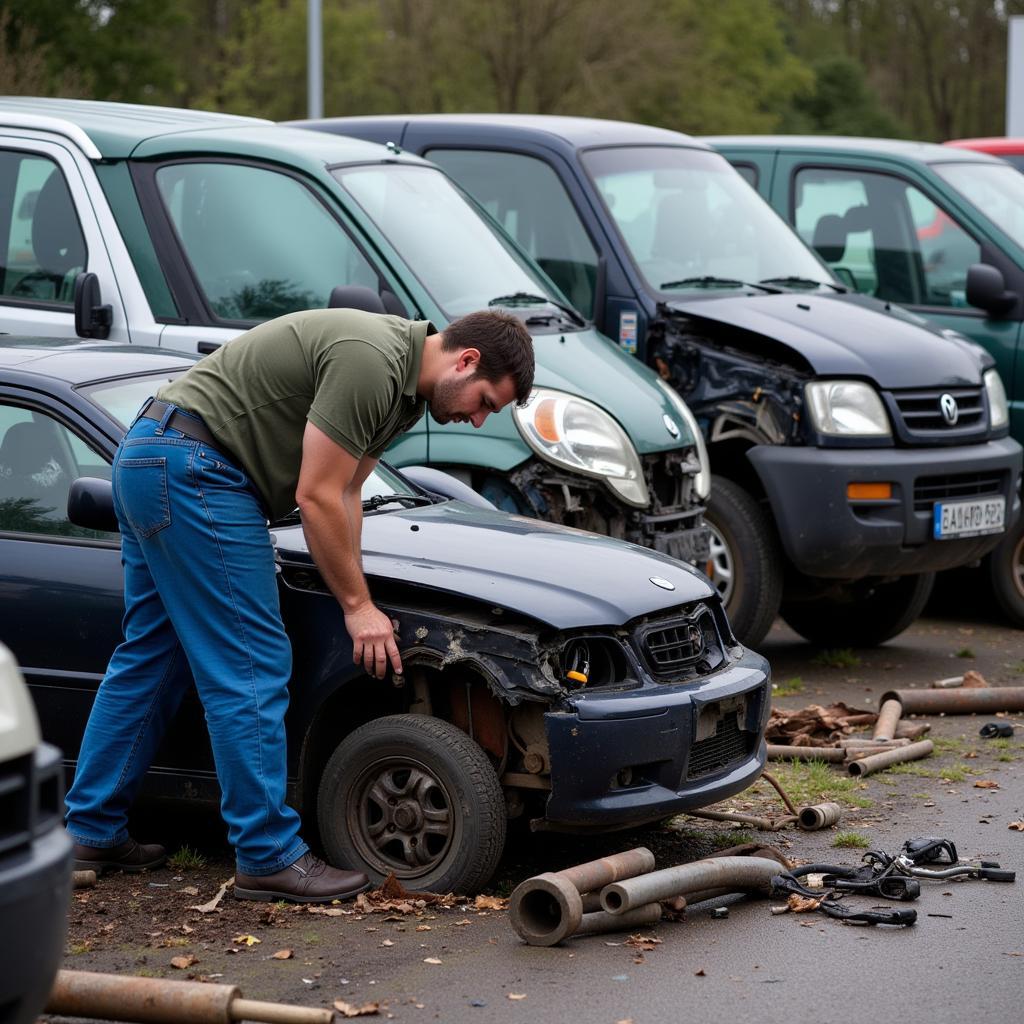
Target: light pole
<point x="314" y="60"/>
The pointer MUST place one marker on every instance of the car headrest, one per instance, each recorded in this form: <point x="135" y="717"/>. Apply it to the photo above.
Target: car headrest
<point x="830" y="238"/>
<point x="56" y="236"/>
<point x="354" y="296"/>
<point x="28" y="448"/>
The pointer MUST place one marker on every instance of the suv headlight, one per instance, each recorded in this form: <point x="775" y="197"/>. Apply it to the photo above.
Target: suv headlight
<point x="702" y="481"/>
<point x="846" y="408"/>
<point x="998" y="410"/>
<point x="572" y="432"/>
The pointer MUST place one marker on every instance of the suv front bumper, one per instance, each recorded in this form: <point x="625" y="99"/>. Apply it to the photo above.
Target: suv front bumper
<point x="624" y="758"/>
<point x="826" y="534"/>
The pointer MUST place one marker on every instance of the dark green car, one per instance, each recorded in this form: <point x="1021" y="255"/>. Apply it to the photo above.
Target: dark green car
<point x="938" y="230"/>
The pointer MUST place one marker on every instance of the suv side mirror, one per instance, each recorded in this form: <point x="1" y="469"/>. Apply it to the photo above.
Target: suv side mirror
<point x="986" y="289"/>
<point x="91" y="504"/>
<point x="92" y="318"/>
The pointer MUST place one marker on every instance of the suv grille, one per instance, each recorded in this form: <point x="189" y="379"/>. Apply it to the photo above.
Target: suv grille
<point x="729" y="745"/>
<point x="15" y="803"/>
<point x="922" y="417"/>
<point x="683" y="645"/>
<point x="930" y="489"/>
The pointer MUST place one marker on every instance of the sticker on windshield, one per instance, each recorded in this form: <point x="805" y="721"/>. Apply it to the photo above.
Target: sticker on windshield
<point x="627" y="331"/>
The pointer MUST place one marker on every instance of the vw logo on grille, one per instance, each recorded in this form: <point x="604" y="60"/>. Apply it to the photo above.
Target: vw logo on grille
<point x="949" y="409"/>
<point x="670" y="425"/>
<point x="659" y="581"/>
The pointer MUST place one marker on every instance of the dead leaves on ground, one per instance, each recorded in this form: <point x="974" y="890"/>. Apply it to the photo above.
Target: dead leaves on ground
<point x="986" y="784"/>
<point x="214" y="905"/>
<point x="351" y="1010"/>
<point x="283" y="954"/>
<point x="182" y="963"/>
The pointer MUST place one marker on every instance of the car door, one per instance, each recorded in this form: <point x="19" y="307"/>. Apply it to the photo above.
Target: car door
<point x="49" y="234"/>
<point x="894" y="238"/>
<point x="61" y="586"/>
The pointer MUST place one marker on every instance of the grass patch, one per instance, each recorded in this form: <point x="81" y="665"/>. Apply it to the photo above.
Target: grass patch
<point x="1001" y="743"/>
<point x="955" y="773"/>
<point x="851" y="841"/>
<point x="841" y="657"/>
<point x="947" y="744"/>
<point x="964" y="652"/>
<point x="78" y="948"/>
<point x="921" y="796"/>
<point x="1019" y="668"/>
<point x="788" y="687"/>
<point x="186" y="859"/>
<point x="811" y="782"/>
<point x="912" y="768"/>
<point x="1005" y="757"/>
<point x="718" y="839"/>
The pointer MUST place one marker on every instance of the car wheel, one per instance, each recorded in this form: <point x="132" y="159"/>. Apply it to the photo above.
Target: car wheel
<point x="1006" y="573"/>
<point x="414" y="796"/>
<point x="745" y="563"/>
<point x="865" y="618"/>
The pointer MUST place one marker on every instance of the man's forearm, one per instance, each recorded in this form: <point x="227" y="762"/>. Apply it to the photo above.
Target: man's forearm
<point x="334" y="539"/>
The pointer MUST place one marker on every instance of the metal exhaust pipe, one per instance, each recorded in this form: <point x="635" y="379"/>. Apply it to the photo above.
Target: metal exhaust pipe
<point x="819" y="816"/>
<point x="876" y="762"/>
<point x="779" y="752"/>
<point x="888" y="719"/>
<point x="982" y="700"/>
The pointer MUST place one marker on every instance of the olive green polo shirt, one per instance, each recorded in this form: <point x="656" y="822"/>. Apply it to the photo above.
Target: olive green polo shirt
<point x="350" y="373"/>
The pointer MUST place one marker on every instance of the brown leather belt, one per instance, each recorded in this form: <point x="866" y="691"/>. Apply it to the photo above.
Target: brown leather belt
<point x="187" y="423"/>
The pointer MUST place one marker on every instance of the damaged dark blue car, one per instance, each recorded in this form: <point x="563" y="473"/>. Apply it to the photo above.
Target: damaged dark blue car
<point x="583" y="683"/>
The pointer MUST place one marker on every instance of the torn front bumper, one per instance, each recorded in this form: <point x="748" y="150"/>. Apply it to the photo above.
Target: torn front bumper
<point x="622" y="758"/>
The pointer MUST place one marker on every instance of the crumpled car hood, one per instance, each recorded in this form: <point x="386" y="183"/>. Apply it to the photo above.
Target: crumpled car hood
<point x="566" y="578"/>
<point x="848" y="335"/>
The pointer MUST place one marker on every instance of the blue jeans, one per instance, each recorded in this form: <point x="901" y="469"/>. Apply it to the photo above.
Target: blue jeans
<point x="201" y="603"/>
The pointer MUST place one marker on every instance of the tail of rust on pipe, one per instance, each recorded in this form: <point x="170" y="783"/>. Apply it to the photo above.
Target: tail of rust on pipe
<point x="985" y="700"/>
<point x="736" y="874"/>
<point x="876" y="762"/>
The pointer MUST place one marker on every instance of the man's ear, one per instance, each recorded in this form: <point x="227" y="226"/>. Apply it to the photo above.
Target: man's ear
<point x="468" y="360"/>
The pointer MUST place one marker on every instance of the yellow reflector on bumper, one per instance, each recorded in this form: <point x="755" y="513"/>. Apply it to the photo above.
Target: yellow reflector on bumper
<point x="868" y="492"/>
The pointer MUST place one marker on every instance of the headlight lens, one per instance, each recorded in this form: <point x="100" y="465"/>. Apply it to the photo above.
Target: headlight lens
<point x="572" y="432"/>
<point x="846" y="408"/>
<point x="998" y="410"/>
<point x="702" y="481"/>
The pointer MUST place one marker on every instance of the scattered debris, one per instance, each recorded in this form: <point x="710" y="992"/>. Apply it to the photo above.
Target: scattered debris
<point x="184" y="962"/>
<point x="1018" y="825"/>
<point x="996" y="729"/>
<point x="350" y="1010"/>
<point x="283" y="954"/>
<point x="816" y="726"/>
<point x="516" y="995"/>
<point x="432" y="960"/>
<point x="246" y="940"/>
<point x="214" y="904"/>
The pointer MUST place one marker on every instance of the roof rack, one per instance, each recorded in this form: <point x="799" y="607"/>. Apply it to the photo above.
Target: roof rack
<point x="56" y="125"/>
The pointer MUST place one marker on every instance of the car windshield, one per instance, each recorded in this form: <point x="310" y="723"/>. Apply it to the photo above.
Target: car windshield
<point x="122" y="399"/>
<point x="691" y="222"/>
<point x="461" y="260"/>
<point x="995" y="189"/>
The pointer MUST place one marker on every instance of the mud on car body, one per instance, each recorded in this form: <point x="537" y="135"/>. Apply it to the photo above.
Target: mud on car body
<point x="581" y="682"/>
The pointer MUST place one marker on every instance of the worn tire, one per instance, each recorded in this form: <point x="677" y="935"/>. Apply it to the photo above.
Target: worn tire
<point x="1006" y="574"/>
<point x="382" y="785"/>
<point x="744" y="545"/>
<point x="866" y="618"/>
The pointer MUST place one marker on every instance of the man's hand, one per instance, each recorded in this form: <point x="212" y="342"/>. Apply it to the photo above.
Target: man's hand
<point x="373" y="640"/>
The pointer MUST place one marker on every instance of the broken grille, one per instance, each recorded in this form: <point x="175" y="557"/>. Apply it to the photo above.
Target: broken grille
<point x="728" y="746"/>
<point x="686" y="643"/>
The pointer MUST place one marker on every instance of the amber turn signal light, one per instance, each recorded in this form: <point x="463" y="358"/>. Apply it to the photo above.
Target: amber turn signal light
<point x="868" y="492"/>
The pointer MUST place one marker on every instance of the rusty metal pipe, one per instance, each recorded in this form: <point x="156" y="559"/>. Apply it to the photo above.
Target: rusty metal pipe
<point x="600" y="921"/>
<point x="866" y="741"/>
<point x="876" y="762"/>
<point x="819" y="816"/>
<point x="737" y="874"/>
<point x="158" y="1001"/>
<point x="970" y="701"/>
<point x="777" y="752"/>
<point x="548" y="908"/>
<point x="889" y="716"/>
<point x="765" y="824"/>
<point x="83" y="879"/>
<point x="858" y="752"/>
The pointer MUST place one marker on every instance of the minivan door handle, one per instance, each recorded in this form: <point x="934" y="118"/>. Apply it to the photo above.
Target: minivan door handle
<point x="206" y="347"/>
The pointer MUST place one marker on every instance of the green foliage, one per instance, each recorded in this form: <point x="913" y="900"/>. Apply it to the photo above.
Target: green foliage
<point x="186" y="859"/>
<point x="842" y="657"/>
<point x="851" y="841"/>
<point x="812" y="782"/>
<point x="788" y="687"/>
<point x="965" y="652"/>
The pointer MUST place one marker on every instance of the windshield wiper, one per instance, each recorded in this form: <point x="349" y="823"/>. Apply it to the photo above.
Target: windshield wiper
<point x="794" y="280"/>
<point x="411" y="500"/>
<point x="529" y="299"/>
<point x="710" y="279"/>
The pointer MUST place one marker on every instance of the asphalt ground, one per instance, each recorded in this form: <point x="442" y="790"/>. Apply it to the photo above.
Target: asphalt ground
<point x="964" y="958"/>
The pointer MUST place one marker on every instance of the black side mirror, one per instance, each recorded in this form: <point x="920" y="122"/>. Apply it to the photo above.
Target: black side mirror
<point x="92" y="318"/>
<point x="986" y="289"/>
<point x="91" y="504"/>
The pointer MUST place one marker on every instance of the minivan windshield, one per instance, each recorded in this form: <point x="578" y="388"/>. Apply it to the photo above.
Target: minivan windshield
<point x="460" y="259"/>
<point x="690" y="221"/>
<point x="995" y="189"/>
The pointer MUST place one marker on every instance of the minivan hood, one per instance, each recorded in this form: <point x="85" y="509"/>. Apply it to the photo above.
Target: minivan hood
<point x="565" y="578"/>
<point x="846" y="335"/>
<point x="588" y="364"/>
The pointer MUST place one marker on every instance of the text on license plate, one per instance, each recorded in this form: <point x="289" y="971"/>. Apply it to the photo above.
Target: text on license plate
<point x="969" y="518"/>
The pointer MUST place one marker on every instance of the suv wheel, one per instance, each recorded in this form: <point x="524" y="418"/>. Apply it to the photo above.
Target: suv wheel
<point x="1006" y="572"/>
<point x="864" y="617"/>
<point x="413" y="796"/>
<point x="745" y="564"/>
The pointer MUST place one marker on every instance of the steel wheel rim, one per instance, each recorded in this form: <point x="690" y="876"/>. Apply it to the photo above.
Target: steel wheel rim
<point x="720" y="565"/>
<point x="401" y="817"/>
<point x="1017" y="567"/>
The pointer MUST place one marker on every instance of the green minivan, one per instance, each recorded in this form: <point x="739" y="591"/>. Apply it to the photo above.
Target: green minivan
<point x="935" y="229"/>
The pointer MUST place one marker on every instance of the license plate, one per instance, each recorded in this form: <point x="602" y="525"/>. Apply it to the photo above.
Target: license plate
<point x="969" y="518"/>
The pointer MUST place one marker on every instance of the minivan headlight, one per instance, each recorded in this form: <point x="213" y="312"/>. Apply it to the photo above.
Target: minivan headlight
<point x="998" y="410"/>
<point x="846" y="408"/>
<point x="702" y="481"/>
<point x="572" y="432"/>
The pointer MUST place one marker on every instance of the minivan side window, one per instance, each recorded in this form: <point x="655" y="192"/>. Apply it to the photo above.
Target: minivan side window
<point x="887" y="234"/>
<point x="42" y="248"/>
<point x="526" y="197"/>
<point x="260" y="242"/>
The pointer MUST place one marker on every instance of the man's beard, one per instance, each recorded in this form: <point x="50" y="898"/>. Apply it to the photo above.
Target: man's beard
<point x="445" y="399"/>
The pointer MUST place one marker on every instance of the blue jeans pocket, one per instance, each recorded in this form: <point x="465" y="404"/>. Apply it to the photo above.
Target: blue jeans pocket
<point x="213" y="471"/>
<point x="142" y="490"/>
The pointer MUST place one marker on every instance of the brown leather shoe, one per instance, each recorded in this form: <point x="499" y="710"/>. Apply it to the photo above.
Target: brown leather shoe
<point x="129" y="856"/>
<point x="307" y="880"/>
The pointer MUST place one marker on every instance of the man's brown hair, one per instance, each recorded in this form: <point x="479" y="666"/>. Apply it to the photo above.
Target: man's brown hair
<point x="506" y="348"/>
